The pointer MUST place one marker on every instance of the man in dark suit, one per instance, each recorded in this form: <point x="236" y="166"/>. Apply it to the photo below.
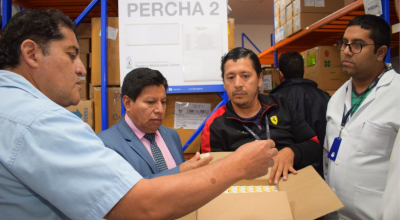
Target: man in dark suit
<point x="139" y="137"/>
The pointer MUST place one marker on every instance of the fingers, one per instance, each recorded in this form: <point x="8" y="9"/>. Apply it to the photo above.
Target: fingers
<point x="278" y="173"/>
<point x="196" y="157"/>
<point x="207" y="159"/>
<point x="273" y="172"/>
<point x="292" y="170"/>
<point x="274" y="152"/>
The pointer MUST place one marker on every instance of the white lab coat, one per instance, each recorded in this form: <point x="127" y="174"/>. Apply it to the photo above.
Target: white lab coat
<point x="390" y="204"/>
<point x="359" y="174"/>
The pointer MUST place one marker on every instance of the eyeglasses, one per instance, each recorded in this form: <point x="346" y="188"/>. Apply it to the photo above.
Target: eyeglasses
<point x="355" y="48"/>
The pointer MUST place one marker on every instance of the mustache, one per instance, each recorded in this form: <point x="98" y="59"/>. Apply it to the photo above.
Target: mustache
<point x="239" y="91"/>
<point x="347" y="59"/>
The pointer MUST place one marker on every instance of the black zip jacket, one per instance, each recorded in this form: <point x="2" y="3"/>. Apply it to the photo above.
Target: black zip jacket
<point x="311" y="103"/>
<point x="224" y="131"/>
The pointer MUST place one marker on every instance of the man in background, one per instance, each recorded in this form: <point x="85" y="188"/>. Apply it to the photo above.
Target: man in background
<point x="304" y="95"/>
<point x="52" y="164"/>
<point x="363" y="119"/>
<point x="140" y="138"/>
<point x="250" y="116"/>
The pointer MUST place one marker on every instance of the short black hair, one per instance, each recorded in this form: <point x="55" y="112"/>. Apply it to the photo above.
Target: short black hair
<point x="241" y="52"/>
<point x="136" y="80"/>
<point x="380" y="31"/>
<point x="41" y="26"/>
<point x="291" y="64"/>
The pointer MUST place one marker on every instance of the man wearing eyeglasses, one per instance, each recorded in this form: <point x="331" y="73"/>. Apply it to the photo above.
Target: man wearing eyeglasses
<point x="363" y="118"/>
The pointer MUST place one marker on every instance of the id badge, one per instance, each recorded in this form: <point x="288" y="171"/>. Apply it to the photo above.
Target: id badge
<point x="335" y="148"/>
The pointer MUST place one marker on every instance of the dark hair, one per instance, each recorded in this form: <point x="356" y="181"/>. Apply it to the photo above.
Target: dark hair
<point x="379" y="29"/>
<point x="291" y="64"/>
<point x="41" y="26"/>
<point x="136" y="80"/>
<point x="240" y="52"/>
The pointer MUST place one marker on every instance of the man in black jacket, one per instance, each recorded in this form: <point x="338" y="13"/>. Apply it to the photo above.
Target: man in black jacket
<point x="309" y="101"/>
<point x="243" y="119"/>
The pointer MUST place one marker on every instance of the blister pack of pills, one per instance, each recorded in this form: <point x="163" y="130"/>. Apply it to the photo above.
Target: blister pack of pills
<point x="251" y="189"/>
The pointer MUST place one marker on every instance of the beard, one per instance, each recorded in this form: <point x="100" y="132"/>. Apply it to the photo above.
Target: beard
<point x="243" y="101"/>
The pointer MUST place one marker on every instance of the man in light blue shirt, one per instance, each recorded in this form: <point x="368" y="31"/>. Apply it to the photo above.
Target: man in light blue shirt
<point x="53" y="166"/>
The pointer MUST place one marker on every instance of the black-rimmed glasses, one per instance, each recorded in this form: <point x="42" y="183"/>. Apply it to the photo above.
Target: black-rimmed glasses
<point x="355" y="48"/>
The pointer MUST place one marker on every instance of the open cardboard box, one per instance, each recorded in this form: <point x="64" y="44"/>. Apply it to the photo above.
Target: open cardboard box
<point x="303" y="196"/>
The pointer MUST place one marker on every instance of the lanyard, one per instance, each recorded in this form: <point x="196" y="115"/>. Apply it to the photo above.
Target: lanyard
<point x="267" y="131"/>
<point x="372" y="85"/>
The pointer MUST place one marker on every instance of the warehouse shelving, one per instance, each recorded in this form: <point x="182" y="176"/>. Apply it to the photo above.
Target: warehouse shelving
<point x="325" y="32"/>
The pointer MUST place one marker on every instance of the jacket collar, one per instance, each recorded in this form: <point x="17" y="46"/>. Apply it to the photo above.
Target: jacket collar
<point x="295" y="81"/>
<point x="136" y="144"/>
<point x="265" y="100"/>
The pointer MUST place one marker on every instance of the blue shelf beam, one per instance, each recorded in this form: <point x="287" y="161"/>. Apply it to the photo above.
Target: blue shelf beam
<point x="245" y="36"/>
<point x="104" y="64"/>
<point x="386" y="16"/>
<point x="6" y="12"/>
<point x="85" y="12"/>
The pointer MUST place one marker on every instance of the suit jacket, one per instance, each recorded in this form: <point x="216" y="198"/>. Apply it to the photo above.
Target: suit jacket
<point x="123" y="140"/>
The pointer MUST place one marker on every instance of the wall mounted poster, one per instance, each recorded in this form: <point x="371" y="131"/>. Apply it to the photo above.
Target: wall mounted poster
<point x="183" y="39"/>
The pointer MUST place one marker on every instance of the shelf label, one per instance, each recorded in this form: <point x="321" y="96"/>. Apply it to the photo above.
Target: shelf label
<point x="373" y="7"/>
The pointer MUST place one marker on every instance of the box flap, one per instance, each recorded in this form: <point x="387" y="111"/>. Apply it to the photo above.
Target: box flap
<point x="309" y="196"/>
<point x="244" y="206"/>
<point x="190" y="216"/>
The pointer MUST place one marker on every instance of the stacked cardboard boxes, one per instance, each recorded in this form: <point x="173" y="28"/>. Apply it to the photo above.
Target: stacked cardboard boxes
<point x="113" y="89"/>
<point x="323" y="66"/>
<point x="270" y="79"/>
<point x="296" y="15"/>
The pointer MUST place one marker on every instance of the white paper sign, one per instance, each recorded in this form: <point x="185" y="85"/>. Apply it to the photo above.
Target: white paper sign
<point x="373" y="7"/>
<point x="309" y="3"/>
<point x="319" y="3"/>
<point x="111" y="33"/>
<point x="183" y="39"/>
<point x="190" y="115"/>
<point x="267" y="83"/>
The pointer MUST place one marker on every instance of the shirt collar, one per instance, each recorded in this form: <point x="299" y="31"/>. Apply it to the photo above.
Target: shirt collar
<point x="140" y="134"/>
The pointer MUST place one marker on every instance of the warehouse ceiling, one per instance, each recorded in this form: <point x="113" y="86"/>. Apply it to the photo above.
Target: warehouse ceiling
<point x="243" y="11"/>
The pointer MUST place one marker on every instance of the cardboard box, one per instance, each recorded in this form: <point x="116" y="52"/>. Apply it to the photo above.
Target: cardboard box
<point x="84" y="110"/>
<point x="282" y="17"/>
<point x="289" y="12"/>
<point x="84" y="45"/>
<point x="231" y="33"/>
<point x="324" y="6"/>
<point x="323" y="66"/>
<point x="84" y="30"/>
<point x="113" y="54"/>
<point x="285" y="3"/>
<point x="114" y="107"/>
<point x="304" y="20"/>
<point x="303" y="196"/>
<point x="277" y="8"/>
<point x="289" y="28"/>
<point x="279" y="35"/>
<point x="274" y="77"/>
<point x="213" y="98"/>
<point x="276" y="21"/>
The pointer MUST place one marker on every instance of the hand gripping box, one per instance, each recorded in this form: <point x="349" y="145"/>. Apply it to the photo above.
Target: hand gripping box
<point x="303" y="196"/>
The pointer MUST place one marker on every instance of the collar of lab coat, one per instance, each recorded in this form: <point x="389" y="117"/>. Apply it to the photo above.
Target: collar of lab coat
<point x="384" y="81"/>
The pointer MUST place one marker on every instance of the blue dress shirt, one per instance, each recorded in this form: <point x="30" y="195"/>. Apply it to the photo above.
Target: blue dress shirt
<point x="52" y="165"/>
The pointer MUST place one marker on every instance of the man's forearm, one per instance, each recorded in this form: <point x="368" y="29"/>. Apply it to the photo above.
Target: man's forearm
<point x="158" y="198"/>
